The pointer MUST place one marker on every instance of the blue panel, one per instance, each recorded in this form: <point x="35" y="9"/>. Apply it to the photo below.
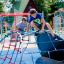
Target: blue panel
<point x="45" y="42"/>
<point x="55" y="46"/>
<point x="57" y="55"/>
<point x="59" y="44"/>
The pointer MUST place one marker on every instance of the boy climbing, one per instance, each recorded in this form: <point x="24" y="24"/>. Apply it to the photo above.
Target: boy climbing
<point x="37" y="21"/>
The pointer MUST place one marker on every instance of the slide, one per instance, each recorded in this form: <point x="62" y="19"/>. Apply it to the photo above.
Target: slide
<point x="51" y="47"/>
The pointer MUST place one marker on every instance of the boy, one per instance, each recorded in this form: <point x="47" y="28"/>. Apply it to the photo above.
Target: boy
<point x="37" y="21"/>
<point x="23" y="26"/>
<point x="5" y="26"/>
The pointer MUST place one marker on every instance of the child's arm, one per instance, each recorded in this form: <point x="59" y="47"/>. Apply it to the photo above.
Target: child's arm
<point x="43" y="23"/>
<point x="27" y="28"/>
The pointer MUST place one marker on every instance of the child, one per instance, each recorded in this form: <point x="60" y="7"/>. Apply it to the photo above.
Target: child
<point x="5" y="25"/>
<point x="37" y="21"/>
<point x="23" y="26"/>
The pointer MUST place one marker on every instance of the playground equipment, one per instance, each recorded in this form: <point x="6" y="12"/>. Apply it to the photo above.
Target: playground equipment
<point x="50" y="47"/>
<point x="7" y="46"/>
<point x="13" y="52"/>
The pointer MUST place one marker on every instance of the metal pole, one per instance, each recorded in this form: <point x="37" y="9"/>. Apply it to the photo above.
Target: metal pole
<point x="1" y="28"/>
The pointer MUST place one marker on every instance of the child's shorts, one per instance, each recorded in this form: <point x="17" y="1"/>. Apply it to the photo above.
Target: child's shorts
<point x="40" y="26"/>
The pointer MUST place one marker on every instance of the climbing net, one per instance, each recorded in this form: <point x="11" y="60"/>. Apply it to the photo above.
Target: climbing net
<point x="11" y="52"/>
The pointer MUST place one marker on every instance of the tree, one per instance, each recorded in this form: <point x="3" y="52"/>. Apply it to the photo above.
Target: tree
<point x="1" y="7"/>
<point x="47" y="6"/>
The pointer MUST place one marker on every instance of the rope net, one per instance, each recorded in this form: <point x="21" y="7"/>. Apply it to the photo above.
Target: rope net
<point x="14" y="49"/>
<point x="12" y="44"/>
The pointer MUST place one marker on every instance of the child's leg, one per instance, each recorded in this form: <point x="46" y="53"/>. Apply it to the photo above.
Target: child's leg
<point x="49" y="27"/>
